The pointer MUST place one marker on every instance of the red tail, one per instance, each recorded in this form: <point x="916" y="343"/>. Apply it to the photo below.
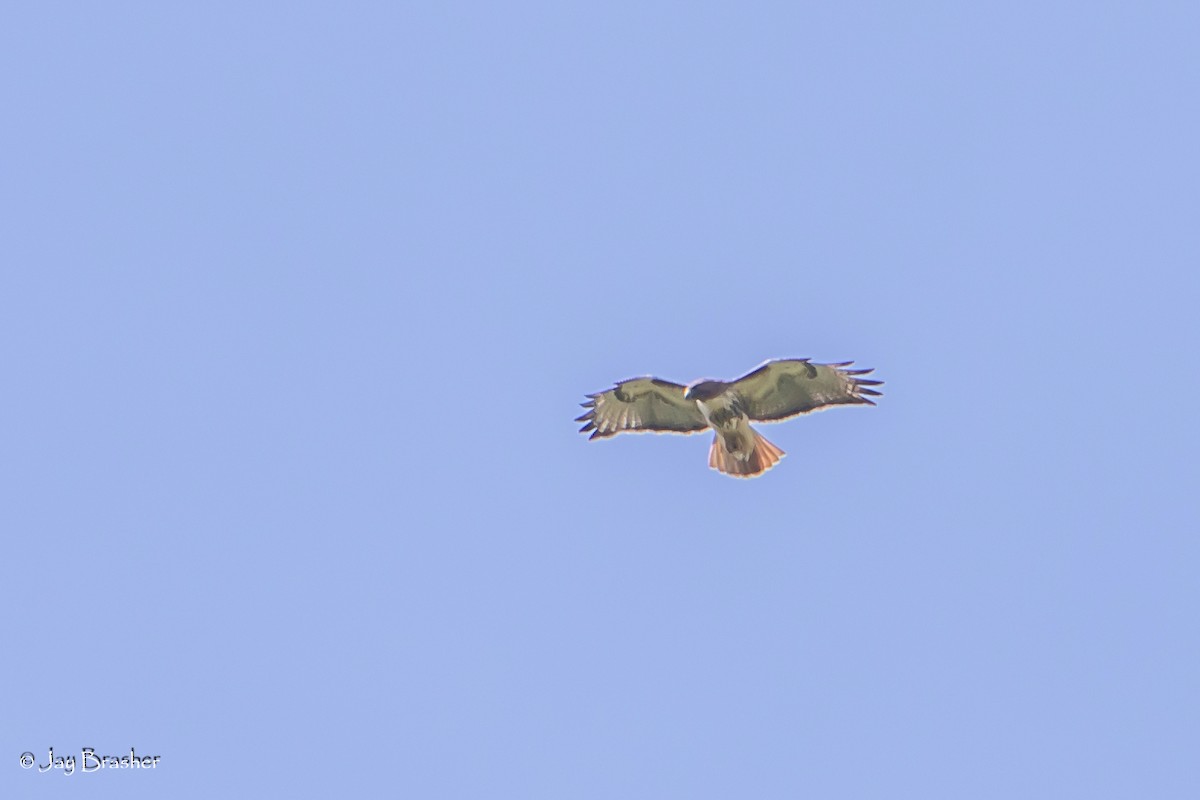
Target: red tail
<point x="762" y="456"/>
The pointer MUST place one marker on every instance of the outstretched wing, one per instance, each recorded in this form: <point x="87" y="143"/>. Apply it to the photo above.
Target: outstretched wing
<point x="781" y="389"/>
<point x="639" y="405"/>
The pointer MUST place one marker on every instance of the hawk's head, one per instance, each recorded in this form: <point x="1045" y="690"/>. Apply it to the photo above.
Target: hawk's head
<point x="705" y="390"/>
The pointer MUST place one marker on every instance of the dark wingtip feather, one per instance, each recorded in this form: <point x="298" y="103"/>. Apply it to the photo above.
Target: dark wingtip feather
<point x="858" y="371"/>
<point x="589" y="426"/>
<point x="870" y="391"/>
<point x="867" y="382"/>
<point x="585" y="417"/>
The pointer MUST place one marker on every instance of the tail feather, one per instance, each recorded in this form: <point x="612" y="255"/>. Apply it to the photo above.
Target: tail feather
<point x="762" y="457"/>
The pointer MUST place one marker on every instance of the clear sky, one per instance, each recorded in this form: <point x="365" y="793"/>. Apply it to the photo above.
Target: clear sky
<point x="299" y="301"/>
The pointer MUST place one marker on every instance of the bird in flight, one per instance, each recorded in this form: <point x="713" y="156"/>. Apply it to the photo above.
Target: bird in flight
<point x="775" y="391"/>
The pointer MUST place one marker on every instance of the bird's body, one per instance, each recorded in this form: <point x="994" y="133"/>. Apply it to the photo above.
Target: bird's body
<point x="775" y="391"/>
<point x="737" y="448"/>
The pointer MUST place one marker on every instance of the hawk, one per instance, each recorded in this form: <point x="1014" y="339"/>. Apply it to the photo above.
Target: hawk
<point x="775" y="391"/>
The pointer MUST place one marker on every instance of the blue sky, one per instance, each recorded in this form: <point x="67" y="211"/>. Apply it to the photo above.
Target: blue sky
<point x="301" y="300"/>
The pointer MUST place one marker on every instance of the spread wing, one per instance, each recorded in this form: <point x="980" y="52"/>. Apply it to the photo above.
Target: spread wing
<point x="781" y="389"/>
<point x="638" y="405"/>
